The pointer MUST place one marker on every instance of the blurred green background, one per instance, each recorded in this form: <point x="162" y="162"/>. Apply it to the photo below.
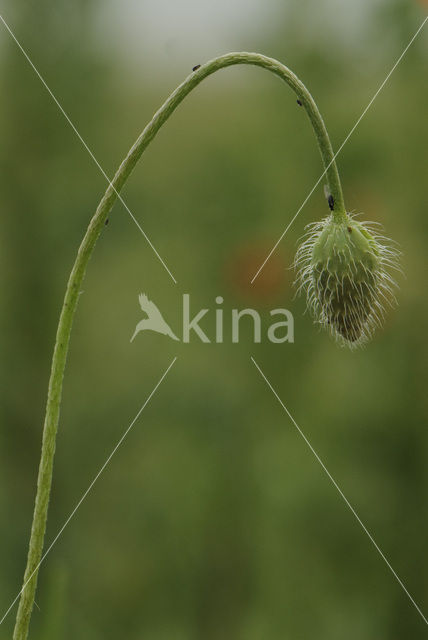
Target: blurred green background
<point x="213" y="520"/>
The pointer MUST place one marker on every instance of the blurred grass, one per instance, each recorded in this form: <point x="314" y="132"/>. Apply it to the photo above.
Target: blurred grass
<point x="213" y="520"/>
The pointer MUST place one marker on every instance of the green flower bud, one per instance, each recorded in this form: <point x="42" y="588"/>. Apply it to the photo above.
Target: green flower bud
<point x="343" y="267"/>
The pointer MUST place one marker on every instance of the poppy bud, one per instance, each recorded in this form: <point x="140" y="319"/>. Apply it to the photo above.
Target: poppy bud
<point x="343" y="267"/>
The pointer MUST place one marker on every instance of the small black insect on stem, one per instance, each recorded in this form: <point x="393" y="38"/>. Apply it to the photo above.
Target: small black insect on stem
<point x="196" y="67"/>
<point x="299" y="102"/>
<point x="330" y="201"/>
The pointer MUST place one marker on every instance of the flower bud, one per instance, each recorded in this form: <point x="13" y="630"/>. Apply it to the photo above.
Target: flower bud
<point x="342" y="266"/>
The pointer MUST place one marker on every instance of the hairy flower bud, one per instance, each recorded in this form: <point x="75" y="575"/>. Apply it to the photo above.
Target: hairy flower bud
<point x="343" y="267"/>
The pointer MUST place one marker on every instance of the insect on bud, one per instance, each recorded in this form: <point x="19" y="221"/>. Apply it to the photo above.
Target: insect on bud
<point x="343" y="268"/>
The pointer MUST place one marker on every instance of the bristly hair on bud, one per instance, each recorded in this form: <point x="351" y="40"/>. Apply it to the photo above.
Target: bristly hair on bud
<point x="344" y="267"/>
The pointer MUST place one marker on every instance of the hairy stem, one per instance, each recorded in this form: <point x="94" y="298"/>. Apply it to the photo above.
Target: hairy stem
<point x="77" y="274"/>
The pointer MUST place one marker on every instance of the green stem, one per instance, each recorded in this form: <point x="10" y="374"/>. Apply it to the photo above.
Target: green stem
<point x="77" y="274"/>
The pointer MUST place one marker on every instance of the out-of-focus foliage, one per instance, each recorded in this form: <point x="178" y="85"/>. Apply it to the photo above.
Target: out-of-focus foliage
<point x="213" y="520"/>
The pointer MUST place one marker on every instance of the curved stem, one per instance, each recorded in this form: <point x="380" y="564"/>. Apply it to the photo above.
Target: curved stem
<point x="77" y="274"/>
